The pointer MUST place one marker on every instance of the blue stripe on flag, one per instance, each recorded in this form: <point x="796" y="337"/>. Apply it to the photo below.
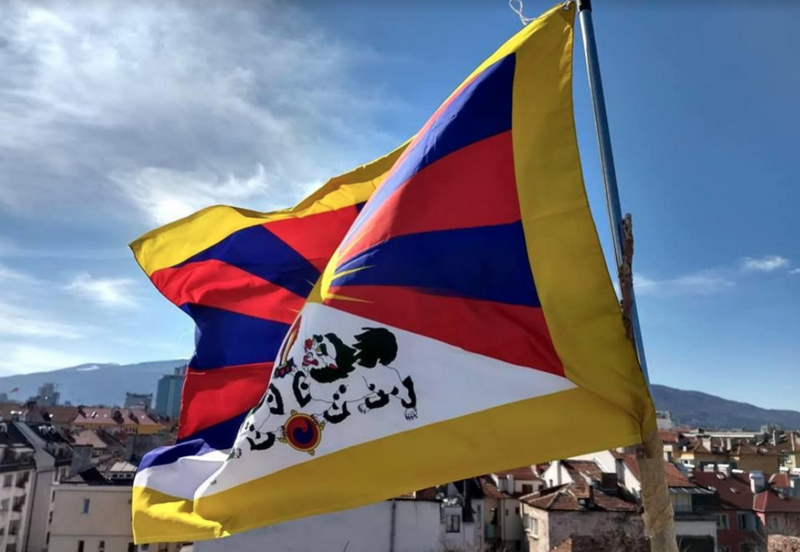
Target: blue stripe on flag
<point x="482" y="109"/>
<point x="258" y="251"/>
<point x="218" y="437"/>
<point x="225" y="338"/>
<point x="488" y="263"/>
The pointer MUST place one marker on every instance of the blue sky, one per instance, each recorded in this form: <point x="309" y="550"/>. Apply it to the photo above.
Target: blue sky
<point x="118" y="119"/>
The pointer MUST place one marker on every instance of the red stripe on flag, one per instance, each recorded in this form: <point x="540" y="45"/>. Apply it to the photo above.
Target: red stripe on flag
<point x="315" y="237"/>
<point x="429" y="123"/>
<point x="419" y="136"/>
<point x="519" y="334"/>
<point x="474" y="186"/>
<point x="213" y="396"/>
<point x="217" y="284"/>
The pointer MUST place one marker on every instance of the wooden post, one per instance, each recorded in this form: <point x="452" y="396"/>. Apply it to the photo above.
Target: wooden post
<point x="659" y="519"/>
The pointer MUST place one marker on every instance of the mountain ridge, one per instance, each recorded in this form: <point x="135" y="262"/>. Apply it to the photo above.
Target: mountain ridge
<point x="107" y="383"/>
<point x="93" y="383"/>
<point x="700" y="409"/>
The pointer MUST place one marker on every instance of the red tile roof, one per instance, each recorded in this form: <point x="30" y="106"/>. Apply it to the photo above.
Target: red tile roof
<point x="770" y="501"/>
<point x="669" y="436"/>
<point x="780" y="480"/>
<point x="489" y="489"/>
<point x="745" y="449"/>
<point x="96" y="439"/>
<point x="106" y="417"/>
<point x="586" y="468"/>
<point x="674" y="476"/>
<point x="565" y="498"/>
<point x="733" y="490"/>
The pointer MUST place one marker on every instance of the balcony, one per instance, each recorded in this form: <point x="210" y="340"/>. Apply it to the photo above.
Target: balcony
<point x="694" y="516"/>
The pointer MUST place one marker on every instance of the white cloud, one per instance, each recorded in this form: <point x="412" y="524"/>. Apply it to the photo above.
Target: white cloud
<point x="767" y="263"/>
<point x="21" y="313"/>
<point x="170" y="107"/>
<point x="162" y="192"/>
<point x="24" y="359"/>
<point x="703" y="283"/>
<point x="108" y="292"/>
<point x="795" y="271"/>
<point x="12" y="250"/>
<point x="17" y="321"/>
<point x="9" y="276"/>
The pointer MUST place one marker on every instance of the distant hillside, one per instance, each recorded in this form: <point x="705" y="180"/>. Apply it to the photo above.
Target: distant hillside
<point x="108" y="383"/>
<point x="93" y="383"/>
<point x="696" y="409"/>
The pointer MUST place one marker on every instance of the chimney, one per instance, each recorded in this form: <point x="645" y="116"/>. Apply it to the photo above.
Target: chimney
<point x="586" y="502"/>
<point x="510" y="483"/>
<point x="608" y="482"/>
<point x="757" y="481"/>
<point x="728" y="444"/>
<point x="724" y="468"/>
<point x="706" y="443"/>
<point x="774" y="438"/>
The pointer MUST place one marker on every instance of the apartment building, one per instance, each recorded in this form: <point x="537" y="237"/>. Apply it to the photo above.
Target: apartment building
<point x="93" y="514"/>
<point x="17" y="471"/>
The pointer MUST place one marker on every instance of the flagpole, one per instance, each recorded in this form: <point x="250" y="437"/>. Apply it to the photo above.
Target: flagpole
<point x="607" y="162"/>
<point x="658" y="516"/>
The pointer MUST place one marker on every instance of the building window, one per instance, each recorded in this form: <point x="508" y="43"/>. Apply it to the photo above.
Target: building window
<point x="745" y="522"/>
<point x="773" y="523"/>
<point x="85" y="509"/>
<point x="533" y="527"/>
<point x="747" y="547"/>
<point x="101" y="546"/>
<point x="80" y="546"/>
<point x="722" y="522"/>
<point x="682" y="502"/>
<point x="527" y="489"/>
<point x="516" y="510"/>
<point x="11" y="547"/>
<point x="144" y="548"/>
<point x="453" y="524"/>
<point x="8" y="480"/>
<point x="131" y="547"/>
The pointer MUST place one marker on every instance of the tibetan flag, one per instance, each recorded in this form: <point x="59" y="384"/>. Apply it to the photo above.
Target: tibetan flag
<point x="242" y="276"/>
<point x="464" y="324"/>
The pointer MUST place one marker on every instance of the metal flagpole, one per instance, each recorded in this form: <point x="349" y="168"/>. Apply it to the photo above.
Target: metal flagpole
<point x="607" y="162"/>
<point x="658" y="516"/>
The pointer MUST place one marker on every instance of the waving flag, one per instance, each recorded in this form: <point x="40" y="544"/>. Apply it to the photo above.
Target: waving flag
<point x="465" y="323"/>
<point x="243" y="277"/>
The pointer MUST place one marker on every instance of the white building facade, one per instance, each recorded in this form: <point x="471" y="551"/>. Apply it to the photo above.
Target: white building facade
<point x="401" y="525"/>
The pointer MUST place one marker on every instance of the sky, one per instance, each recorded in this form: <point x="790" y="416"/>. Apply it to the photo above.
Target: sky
<point x="118" y="118"/>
